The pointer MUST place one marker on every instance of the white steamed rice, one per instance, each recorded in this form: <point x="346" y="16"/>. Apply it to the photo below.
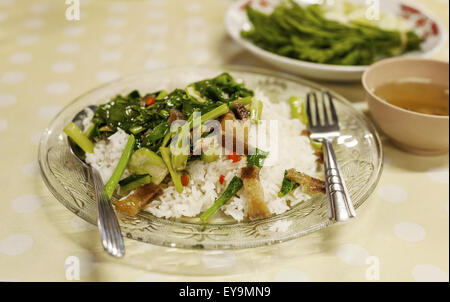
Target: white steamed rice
<point x="107" y="154"/>
<point x="294" y="151"/>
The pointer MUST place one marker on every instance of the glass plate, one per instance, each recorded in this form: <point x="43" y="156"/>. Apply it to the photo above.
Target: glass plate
<point x="358" y="151"/>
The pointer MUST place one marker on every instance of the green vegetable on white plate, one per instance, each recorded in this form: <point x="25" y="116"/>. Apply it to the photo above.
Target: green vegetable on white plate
<point x="303" y="32"/>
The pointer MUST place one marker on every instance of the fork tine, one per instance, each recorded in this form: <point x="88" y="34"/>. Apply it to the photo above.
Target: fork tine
<point x="332" y="108"/>
<point x="318" y="123"/>
<point x="326" y="117"/>
<point x="308" y="108"/>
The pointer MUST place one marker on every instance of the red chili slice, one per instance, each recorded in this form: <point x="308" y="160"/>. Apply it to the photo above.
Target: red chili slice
<point x="149" y="101"/>
<point x="234" y="157"/>
<point x="184" y="180"/>
<point x="221" y="179"/>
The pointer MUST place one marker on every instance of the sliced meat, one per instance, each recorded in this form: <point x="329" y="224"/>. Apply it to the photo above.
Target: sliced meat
<point x="175" y="115"/>
<point x="255" y="193"/>
<point x="319" y="155"/>
<point x="306" y="182"/>
<point x="241" y="112"/>
<point x="235" y="132"/>
<point x="306" y="133"/>
<point x="142" y="196"/>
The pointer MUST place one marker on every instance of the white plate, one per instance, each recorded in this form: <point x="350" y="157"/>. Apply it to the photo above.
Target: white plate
<point x="427" y="26"/>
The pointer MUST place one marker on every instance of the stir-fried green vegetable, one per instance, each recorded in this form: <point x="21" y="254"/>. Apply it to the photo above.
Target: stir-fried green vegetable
<point x="298" y="110"/>
<point x="133" y="181"/>
<point x="112" y="183"/>
<point x="148" y="115"/>
<point x="257" y="159"/>
<point x="287" y="186"/>
<point x="145" y="161"/>
<point x="304" y="33"/>
<point x="148" y="120"/>
<point x="256" y="110"/>
<point x="233" y="187"/>
<point x="79" y="138"/>
<point x="176" y="177"/>
<point x="180" y="152"/>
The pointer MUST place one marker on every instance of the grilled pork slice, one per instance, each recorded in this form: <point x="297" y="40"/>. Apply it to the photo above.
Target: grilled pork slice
<point x="306" y="182"/>
<point x="241" y="112"/>
<point x="175" y="115"/>
<point x="319" y="155"/>
<point x="236" y="132"/>
<point x="141" y="197"/>
<point x="255" y="194"/>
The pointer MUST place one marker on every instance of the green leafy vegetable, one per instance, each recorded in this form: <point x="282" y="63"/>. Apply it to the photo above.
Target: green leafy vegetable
<point x="257" y="159"/>
<point x="134" y="116"/>
<point x="233" y="187"/>
<point x="155" y="135"/>
<point x="303" y="33"/>
<point x="287" y="186"/>
<point x="112" y="183"/>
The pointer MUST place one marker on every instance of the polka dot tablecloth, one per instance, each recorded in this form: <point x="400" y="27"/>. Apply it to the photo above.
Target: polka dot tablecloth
<point x="400" y="234"/>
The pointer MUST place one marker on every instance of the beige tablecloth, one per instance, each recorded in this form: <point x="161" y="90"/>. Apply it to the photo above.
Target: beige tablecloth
<point x="401" y="233"/>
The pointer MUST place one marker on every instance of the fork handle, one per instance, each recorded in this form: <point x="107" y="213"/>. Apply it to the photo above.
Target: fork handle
<point x="340" y="207"/>
<point x="108" y="225"/>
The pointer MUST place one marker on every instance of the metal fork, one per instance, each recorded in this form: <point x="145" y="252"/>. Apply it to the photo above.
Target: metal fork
<point x="324" y="127"/>
<point x="108" y="225"/>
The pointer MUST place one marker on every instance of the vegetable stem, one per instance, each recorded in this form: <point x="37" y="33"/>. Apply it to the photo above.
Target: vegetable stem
<point x="295" y="107"/>
<point x="136" y="129"/>
<point x="162" y="95"/>
<point x="79" y="138"/>
<point x="215" y="113"/>
<point x="244" y="101"/>
<point x="255" y="110"/>
<point x="298" y="110"/>
<point x="90" y="131"/>
<point x="233" y="187"/>
<point x="180" y="149"/>
<point x="176" y="177"/>
<point x="211" y="115"/>
<point x="132" y="182"/>
<point x="112" y="183"/>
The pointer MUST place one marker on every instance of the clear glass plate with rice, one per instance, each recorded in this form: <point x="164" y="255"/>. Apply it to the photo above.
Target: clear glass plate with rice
<point x="213" y="196"/>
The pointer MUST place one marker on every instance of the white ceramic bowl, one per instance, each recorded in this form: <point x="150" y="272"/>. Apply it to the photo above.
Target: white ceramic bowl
<point x="236" y="20"/>
<point x="418" y="133"/>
